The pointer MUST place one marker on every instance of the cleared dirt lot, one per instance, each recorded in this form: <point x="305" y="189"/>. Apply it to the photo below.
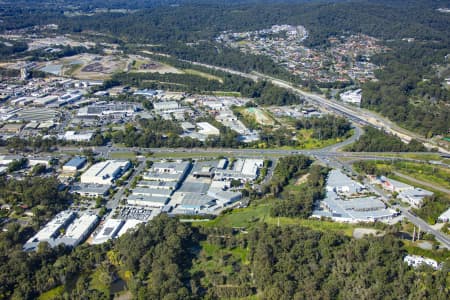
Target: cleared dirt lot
<point x="359" y="233"/>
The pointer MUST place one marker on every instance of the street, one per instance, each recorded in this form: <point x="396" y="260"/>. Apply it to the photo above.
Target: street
<point x="441" y="237"/>
<point x="363" y="117"/>
<point x="115" y="200"/>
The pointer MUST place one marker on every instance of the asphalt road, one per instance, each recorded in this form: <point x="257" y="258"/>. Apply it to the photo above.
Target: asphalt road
<point x="114" y="202"/>
<point x="331" y="151"/>
<point x="336" y="147"/>
<point x="359" y="115"/>
<point x="424" y="227"/>
<point x="327" y="155"/>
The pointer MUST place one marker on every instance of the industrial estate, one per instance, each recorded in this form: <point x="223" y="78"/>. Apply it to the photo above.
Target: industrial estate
<point x="78" y="112"/>
<point x="223" y="157"/>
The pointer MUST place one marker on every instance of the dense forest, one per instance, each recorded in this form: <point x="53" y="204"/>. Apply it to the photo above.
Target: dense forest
<point x="166" y="259"/>
<point x="42" y="195"/>
<point x="409" y="89"/>
<point x="374" y="140"/>
<point x="196" y="20"/>
<point x="291" y="203"/>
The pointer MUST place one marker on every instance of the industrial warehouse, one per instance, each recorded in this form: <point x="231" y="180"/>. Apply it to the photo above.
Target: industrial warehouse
<point x="65" y="228"/>
<point x="105" y="172"/>
<point x="181" y="187"/>
<point x="347" y="201"/>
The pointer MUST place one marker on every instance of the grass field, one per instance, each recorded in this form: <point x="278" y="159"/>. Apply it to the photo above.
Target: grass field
<point x="325" y="226"/>
<point x="71" y="69"/>
<point x="307" y="142"/>
<point x="243" y="217"/>
<point x="258" y="115"/>
<point x="138" y="63"/>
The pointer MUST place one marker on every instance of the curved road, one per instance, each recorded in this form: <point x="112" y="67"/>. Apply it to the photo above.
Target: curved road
<point x="337" y="147"/>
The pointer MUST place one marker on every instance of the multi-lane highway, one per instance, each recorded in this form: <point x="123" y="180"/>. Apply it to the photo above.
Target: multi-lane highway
<point x="358" y="115"/>
<point x="330" y="156"/>
<point x="331" y="151"/>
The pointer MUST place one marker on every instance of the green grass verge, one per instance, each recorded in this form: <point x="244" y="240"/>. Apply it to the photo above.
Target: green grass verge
<point x="243" y="217"/>
<point x="55" y="293"/>
<point x="320" y="225"/>
<point x="122" y="155"/>
<point x="260" y="213"/>
<point x="188" y="154"/>
<point x="226" y="94"/>
<point x="425" y="172"/>
<point x="209" y="155"/>
<point x="202" y="74"/>
<point x="421" y="156"/>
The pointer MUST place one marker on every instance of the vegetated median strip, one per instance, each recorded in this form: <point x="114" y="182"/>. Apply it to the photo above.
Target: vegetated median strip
<point x="422" y="182"/>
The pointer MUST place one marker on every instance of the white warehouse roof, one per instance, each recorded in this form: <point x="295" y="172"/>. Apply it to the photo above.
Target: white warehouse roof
<point x="79" y="227"/>
<point x="207" y="129"/>
<point x="105" y="172"/>
<point x="445" y="217"/>
<point x="108" y="231"/>
<point x="251" y="166"/>
<point x="78" y="230"/>
<point x="51" y="230"/>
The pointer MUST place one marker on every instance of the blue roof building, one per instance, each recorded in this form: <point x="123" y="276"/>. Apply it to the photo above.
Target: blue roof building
<point x="76" y="163"/>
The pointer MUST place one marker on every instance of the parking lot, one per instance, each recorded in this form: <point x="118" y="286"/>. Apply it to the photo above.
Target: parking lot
<point x="134" y="212"/>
